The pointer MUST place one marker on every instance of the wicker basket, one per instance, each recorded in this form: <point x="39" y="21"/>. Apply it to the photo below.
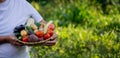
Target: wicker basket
<point x="28" y="23"/>
<point x="34" y="43"/>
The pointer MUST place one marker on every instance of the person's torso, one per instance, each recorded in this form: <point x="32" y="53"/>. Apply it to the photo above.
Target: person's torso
<point x="12" y="13"/>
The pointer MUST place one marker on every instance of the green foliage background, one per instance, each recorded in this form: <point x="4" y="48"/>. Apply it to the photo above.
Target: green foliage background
<point x="85" y="28"/>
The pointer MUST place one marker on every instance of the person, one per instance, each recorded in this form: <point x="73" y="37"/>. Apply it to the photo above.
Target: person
<point x="14" y="13"/>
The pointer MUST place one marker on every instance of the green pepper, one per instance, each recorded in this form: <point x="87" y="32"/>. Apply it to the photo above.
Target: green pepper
<point x="38" y="24"/>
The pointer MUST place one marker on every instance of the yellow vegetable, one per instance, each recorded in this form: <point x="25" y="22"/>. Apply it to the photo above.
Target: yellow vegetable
<point x="33" y="26"/>
<point x="23" y="33"/>
<point x="35" y="31"/>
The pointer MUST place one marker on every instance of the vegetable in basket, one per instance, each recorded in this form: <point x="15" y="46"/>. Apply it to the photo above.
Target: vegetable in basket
<point x="31" y="36"/>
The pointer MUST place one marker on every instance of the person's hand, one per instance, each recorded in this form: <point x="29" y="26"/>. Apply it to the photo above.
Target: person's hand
<point x="52" y="40"/>
<point x="13" y="40"/>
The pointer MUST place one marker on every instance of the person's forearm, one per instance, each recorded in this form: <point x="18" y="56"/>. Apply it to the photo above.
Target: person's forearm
<point x="2" y="1"/>
<point x="3" y="39"/>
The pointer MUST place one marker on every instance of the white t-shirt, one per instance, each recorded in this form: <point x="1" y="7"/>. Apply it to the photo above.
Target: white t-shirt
<point x="14" y="13"/>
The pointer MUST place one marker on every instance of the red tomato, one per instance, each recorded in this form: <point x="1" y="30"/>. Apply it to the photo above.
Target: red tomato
<point x="39" y="34"/>
<point x="46" y="36"/>
<point x="50" y="32"/>
<point x="25" y="39"/>
<point x="51" y="26"/>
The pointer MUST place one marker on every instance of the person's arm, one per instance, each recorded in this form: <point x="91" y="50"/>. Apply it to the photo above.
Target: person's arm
<point x="9" y="39"/>
<point x="3" y="39"/>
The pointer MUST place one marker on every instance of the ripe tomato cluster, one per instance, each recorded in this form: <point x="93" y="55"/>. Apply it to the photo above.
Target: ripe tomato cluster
<point x="47" y="35"/>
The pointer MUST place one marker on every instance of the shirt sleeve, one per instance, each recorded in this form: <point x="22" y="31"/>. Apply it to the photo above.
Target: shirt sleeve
<point x="33" y="12"/>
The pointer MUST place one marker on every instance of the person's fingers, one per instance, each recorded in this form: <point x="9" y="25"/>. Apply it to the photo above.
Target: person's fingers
<point x="51" y="42"/>
<point x="16" y="43"/>
<point x="54" y="36"/>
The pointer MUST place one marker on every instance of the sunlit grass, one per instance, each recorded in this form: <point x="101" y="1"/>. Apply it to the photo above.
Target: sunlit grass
<point x="84" y="31"/>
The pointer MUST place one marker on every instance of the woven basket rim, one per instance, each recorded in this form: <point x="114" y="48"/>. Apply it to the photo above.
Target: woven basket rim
<point x="34" y="43"/>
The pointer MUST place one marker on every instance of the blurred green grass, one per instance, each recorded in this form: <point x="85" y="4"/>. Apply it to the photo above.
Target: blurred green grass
<point x="85" y="28"/>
